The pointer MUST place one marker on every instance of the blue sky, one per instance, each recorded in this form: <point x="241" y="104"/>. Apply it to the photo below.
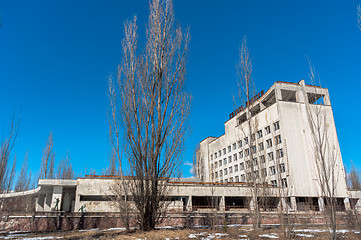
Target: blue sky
<point x="55" y="57"/>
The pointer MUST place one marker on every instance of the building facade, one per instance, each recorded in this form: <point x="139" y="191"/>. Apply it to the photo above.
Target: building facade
<point x="271" y="141"/>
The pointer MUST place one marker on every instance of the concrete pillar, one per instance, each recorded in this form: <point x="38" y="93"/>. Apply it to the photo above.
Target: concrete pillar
<point x="278" y="94"/>
<point x="321" y="204"/>
<point x="252" y="204"/>
<point x="293" y="204"/>
<point x="347" y="204"/>
<point x="40" y="200"/>
<point x="282" y="205"/>
<point x="189" y="204"/>
<point x="48" y="198"/>
<point x="222" y="204"/>
<point x="57" y="196"/>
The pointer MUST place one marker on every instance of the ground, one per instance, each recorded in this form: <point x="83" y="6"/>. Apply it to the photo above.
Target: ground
<point x="224" y="233"/>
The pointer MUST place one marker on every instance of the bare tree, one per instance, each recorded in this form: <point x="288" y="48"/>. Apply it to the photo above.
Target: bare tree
<point x="248" y="126"/>
<point x="154" y="108"/>
<point x="7" y="173"/>
<point x="353" y="180"/>
<point x="119" y="189"/>
<point x="48" y="160"/>
<point x="24" y="178"/>
<point x="325" y="154"/>
<point x="65" y="169"/>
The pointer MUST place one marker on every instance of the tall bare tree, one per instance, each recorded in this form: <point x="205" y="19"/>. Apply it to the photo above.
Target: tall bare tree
<point x="325" y="154"/>
<point x="353" y="180"/>
<point x="154" y="108"/>
<point x="65" y="169"/>
<point x="48" y="160"/>
<point x="248" y="126"/>
<point x="23" y="180"/>
<point x="7" y="169"/>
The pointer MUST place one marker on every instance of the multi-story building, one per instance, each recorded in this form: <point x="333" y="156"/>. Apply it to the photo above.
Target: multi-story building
<point x="271" y="141"/>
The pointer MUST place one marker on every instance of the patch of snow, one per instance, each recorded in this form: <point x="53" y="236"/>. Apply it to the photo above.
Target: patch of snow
<point x="305" y="235"/>
<point x="192" y="236"/>
<point x="165" y="227"/>
<point x="85" y="230"/>
<point x="310" y="230"/>
<point x="167" y="239"/>
<point x="356" y="232"/>
<point x="342" y="231"/>
<point x="242" y="236"/>
<point x="272" y="235"/>
<point x="114" y="229"/>
<point x="41" y="238"/>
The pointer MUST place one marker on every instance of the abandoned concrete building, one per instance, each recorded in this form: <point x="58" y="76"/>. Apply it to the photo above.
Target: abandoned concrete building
<point x="279" y="147"/>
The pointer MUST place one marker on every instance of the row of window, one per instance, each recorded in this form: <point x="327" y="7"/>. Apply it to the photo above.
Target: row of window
<point x="272" y="171"/>
<point x="270" y="157"/>
<point x="267" y="130"/>
<point x="242" y="178"/>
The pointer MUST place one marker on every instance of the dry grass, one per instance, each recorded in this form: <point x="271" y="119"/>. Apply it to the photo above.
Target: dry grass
<point x="193" y="234"/>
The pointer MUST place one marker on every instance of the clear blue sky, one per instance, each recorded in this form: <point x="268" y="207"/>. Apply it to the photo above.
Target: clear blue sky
<point x="55" y="57"/>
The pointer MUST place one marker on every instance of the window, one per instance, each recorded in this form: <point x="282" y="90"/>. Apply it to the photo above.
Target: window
<point x="282" y="168"/>
<point x="259" y="133"/>
<point x="215" y="155"/>
<point x="211" y="166"/>
<point x="278" y="139"/>
<point x="248" y="163"/>
<point x="215" y="164"/>
<point x="246" y="140"/>
<point x="241" y="166"/>
<point x="229" y="159"/>
<point x="236" y="179"/>
<point x="234" y="146"/>
<point x="255" y="162"/>
<point x="225" y="171"/>
<point x="212" y="176"/>
<point x="230" y="169"/>
<point x="224" y="151"/>
<point x="220" y="163"/>
<point x="241" y="154"/>
<point x="274" y="183"/>
<point x="269" y="143"/>
<point x="253" y="149"/>
<point x="249" y="176"/>
<point x="284" y="182"/>
<point x="270" y="156"/>
<point x="279" y="153"/>
<point x="243" y="179"/>
<point x="220" y="173"/>
<point x="253" y="137"/>
<point x="264" y="172"/>
<point x="211" y="157"/>
<point x="229" y="149"/>
<point x="256" y="174"/>
<point x="276" y="125"/>
<point x="216" y="174"/>
<point x="239" y="143"/>
<point x="224" y="161"/>
<point x="225" y="180"/>
<point x="235" y="157"/>
<point x="268" y="130"/>
<point x="219" y="153"/>
<point x="260" y="146"/>
<point x="272" y="170"/>
<point x="246" y="152"/>
<point x="231" y="179"/>
<point x="235" y="168"/>
<point x="262" y="159"/>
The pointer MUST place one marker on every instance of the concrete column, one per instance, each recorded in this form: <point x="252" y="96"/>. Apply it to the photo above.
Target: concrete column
<point x="57" y="196"/>
<point x="40" y="203"/>
<point x="252" y="204"/>
<point x="278" y="94"/>
<point x="293" y="204"/>
<point x="189" y="204"/>
<point x="347" y="204"/>
<point x="282" y="205"/>
<point x="48" y="198"/>
<point x="321" y="204"/>
<point x="222" y="204"/>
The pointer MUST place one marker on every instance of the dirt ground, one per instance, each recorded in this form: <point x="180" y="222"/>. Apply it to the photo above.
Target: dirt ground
<point x="244" y="232"/>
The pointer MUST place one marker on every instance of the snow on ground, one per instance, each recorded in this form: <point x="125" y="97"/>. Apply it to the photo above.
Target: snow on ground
<point x="243" y="236"/>
<point x="305" y="235"/>
<point x="204" y="236"/>
<point x="271" y="235"/>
